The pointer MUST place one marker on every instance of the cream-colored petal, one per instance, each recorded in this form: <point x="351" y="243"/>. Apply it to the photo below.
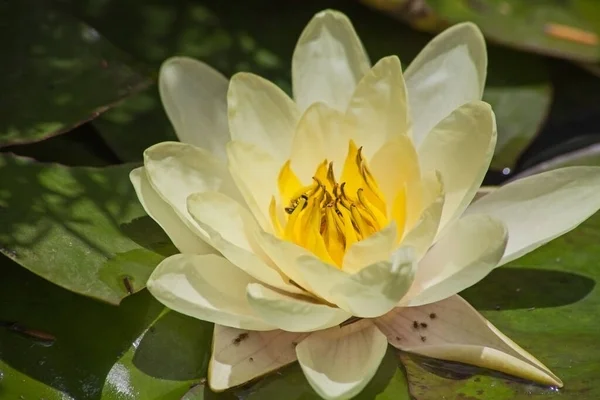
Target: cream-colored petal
<point x="322" y="133"/>
<point x="395" y="167"/>
<point x="379" y="106"/>
<point x="239" y="356"/>
<point x="176" y="170"/>
<point x="460" y="147"/>
<point x="207" y="287"/>
<point x="186" y="240"/>
<point x="339" y="363"/>
<point x="231" y="229"/>
<point x="293" y="314"/>
<point x="457" y="332"/>
<point x="260" y="113"/>
<point x="195" y="98"/>
<point x="328" y="61"/>
<point x="371" y="292"/>
<point x="465" y="254"/>
<point x="447" y="73"/>
<point x="255" y="173"/>
<point x="539" y="208"/>
<point x="377" y="247"/>
<point x="422" y="235"/>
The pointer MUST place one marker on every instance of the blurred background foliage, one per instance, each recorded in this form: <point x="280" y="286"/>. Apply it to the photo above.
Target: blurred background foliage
<point x="79" y="105"/>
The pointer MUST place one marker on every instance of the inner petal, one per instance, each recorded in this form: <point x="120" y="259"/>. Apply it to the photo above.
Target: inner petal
<point x="328" y="215"/>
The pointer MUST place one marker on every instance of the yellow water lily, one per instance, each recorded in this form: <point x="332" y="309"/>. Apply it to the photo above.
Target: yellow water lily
<point x="323" y="227"/>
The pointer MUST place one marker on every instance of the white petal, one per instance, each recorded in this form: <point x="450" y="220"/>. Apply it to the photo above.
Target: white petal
<point x="239" y="356"/>
<point x="322" y="134"/>
<point x="465" y="254"/>
<point x="460" y="147"/>
<point x="195" y="98"/>
<point x="177" y="170"/>
<point x="207" y="287"/>
<point x="231" y="230"/>
<point x="255" y="173"/>
<point x="457" y="332"/>
<point x="447" y="73"/>
<point x="422" y="235"/>
<point x="539" y="208"/>
<point x="377" y="247"/>
<point x="328" y="61"/>
<point x="339" y="366"/>
<point x="186" y="240"/>
<point x="379" y="106"/>
<point x="260" y="113"/>
<point x="293" y="314"/>
<point x="371" y="292"/>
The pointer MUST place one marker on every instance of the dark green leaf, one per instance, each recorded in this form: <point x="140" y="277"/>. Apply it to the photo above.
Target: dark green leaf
<point x="56" y="72"/>
<point x="80" y="228"/>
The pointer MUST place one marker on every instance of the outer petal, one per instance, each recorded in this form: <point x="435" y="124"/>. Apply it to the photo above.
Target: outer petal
<point x="379" y="106"/>
<point x="231" y="230"/>
<point x="462" y="257"/>
<point x="328" y="61"/>
<point x="239" y="356"/>
<point x="255" y="173"/>
<point x="194" y="97"/>
<point x="186" y="240"/>
<point x="447" y="73"/>
<point x="460" y="147"/>
<point x="459" y="333"/>
<point x="371" y="292"/>
<point x="339" y="363"/>
<point x="206" y="287"/>
<point x="293" y="314"/>
<point x="260" y="113"/>
<point x="539" y="208"/>
<point x="177" y="170"/>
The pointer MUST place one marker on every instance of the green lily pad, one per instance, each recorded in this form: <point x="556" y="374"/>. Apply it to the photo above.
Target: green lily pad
<point x="80" y="228"/>
<point x="56" y="73"/>
<point x="566" y="29"/>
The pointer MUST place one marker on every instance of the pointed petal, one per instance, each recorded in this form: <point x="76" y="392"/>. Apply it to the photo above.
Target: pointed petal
<point x="260" y="113"/>
<point x="447" y="73"/>
<point x="379" y="106"/>
<point x="186" y="240"/>
<point x="293" y="314"/>
<point x="371" y="292"/>
<point x="539" y="208"/>
<point x="328" y="61"/>
<point x="377" y="247"/>
<point x="239" y="356"/>
<point x="322" y="134"/>
<point x="464" y="255"/>
<point x="459" y="333"/>
<point x="195" y="98"/>
<point x="207" y="287"/>
<point x="339" y="363"/>
<point x="255" y="173"/>
<point x="422" y="235"/>
<point x="396" y="167"/>
<point x="461" y="147"/>
<point x="230" y="228"/>
<point x="176" y="170"/>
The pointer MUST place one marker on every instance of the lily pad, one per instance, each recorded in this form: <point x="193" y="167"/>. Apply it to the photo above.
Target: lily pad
<point x="566" y="29"/>
<point x="80" y="228"/>
<point x="56" y="73"/>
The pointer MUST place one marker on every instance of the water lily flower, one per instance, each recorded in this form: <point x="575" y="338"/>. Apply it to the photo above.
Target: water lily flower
<point x="321" y="228"/>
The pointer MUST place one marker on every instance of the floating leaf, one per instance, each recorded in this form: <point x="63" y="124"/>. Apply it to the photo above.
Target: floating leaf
<point x="80" y="228"/>
<point x="56" y="72"/>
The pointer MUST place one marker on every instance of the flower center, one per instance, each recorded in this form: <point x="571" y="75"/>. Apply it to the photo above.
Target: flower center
<point x="328" y="216"/>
